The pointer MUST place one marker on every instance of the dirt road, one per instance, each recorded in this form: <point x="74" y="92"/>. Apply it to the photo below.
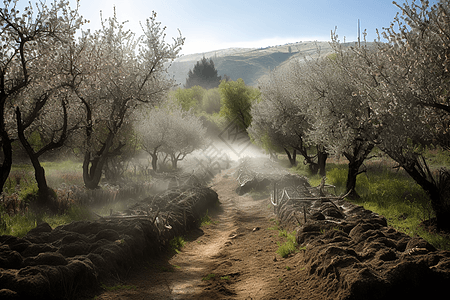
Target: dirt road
<point x="233" y="258"/>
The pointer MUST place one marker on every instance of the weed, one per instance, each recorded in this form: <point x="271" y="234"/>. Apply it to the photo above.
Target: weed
<point x="19" y="224"/>
<point x="177" y="243"/>
<point x="288" y="268"/>
<point x="280" y="280"/>
<point x="285" y="249"/>
<point x="208" y="277"/>
<point x="276" y="226"/>
<point x="225" y="278"/>
<point x="205" y="220"/>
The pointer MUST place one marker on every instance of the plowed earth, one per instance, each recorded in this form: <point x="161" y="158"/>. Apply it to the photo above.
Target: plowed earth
<point x="232" y="258"/>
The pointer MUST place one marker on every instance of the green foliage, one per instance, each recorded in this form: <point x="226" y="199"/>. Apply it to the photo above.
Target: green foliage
<point x="203" y="74"/>
<point x="225" y="278"/>
<point x="268" y="145"/>
<point x="35" y="140"/>
<point x="288" y="247"/>
<point x="208" y="277"/>
<point x="29" y="193"/>
<point x="17" y="225"/>
<point x="276" y="225"/>
<point x="237" y="99"/>
<point x="214" y="123"/>
<point x="20" y="177"/>
<point x="438" y="157"/>
<point x="205" y="220"/>
<point x="191" y="98"/>
<point x="177" y="243"/>
<point x="211" y="101"/>
<point x="74" y="213"/>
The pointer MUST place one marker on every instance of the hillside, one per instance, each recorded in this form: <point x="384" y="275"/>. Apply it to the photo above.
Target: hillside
<point x="247" y="63"/>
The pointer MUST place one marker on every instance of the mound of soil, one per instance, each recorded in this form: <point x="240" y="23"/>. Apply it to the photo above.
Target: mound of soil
<point x="70" y="259"/>
<point x="344" y="252"/>
<point x="349" y="251"/>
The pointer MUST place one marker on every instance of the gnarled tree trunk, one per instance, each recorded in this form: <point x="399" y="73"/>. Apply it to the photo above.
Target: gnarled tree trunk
<point x="361" y="151"/>
<point x="292" y="157"/>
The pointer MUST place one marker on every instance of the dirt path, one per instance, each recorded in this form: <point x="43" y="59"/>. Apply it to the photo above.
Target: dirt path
<point x="233" y="258"/>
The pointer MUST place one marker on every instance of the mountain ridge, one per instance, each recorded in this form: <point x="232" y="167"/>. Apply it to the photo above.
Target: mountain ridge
<point x="250" y="64"/>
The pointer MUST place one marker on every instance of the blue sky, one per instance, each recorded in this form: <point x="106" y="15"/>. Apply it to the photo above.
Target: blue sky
<point x="214" y="25"/>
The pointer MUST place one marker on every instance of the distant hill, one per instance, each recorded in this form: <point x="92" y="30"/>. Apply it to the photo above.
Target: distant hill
<point x="250" y="64"/>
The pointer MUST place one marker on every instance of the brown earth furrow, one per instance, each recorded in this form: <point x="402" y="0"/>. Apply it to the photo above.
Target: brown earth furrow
<point x="238" y="248"/>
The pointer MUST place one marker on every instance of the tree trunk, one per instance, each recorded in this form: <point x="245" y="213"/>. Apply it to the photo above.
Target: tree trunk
<point x="154" y="161"/>
<point x="92" y="170"/>
<point x="353" y="171"/>
<point x="309" y="160"/>
<point x="93" y="166"/>
<point x="6" y="142"/>
<point x="39" y="172"/>
<point x="174" y="163"/>
<point x="322" y="161"/>
<point x="292" y="158"/>
<point x="5" y="167"/>
<point x="361" y="151"/>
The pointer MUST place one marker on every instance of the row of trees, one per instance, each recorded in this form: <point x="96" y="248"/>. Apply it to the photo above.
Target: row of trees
<point x="80" y="92"/>
<point x="170" y="132"/>
<point x="393" y="95"/>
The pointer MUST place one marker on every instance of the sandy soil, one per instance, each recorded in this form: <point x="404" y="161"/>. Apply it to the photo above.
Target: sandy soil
<point x="238" y="248"/>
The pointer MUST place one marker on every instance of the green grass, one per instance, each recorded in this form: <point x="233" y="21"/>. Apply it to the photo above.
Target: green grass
<point x="208" y="277"/>
<point x="390" y="193"/>
<point x="20" y="190"/>
<point x="205" y="220"/>
<point x="177" y="243"/>
<point x="225" y="278"/>
<point x="288" y="247"/>
<point x="19" y="224"/>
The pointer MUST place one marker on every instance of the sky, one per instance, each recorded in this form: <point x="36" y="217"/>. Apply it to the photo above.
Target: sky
<point x="213" y="25"/>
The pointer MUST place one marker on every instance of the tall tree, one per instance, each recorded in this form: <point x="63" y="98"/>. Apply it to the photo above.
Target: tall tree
<point x="33" y="44"/>
<point x="342" y="118"/>
<point x="282" y="118"/>
<point x="126" y="74"/>
<point x="237" y="99"/>
<point x="405" y="82"/>
<point x="203" y="74"/>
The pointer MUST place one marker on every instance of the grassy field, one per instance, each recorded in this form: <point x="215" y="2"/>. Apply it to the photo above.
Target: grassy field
<point x="16" y="218"/>
<point x="388" y="192"/>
